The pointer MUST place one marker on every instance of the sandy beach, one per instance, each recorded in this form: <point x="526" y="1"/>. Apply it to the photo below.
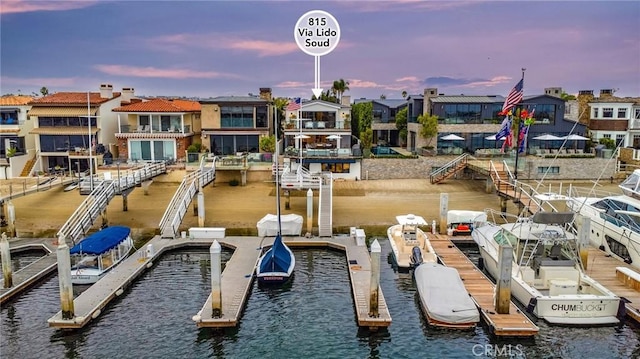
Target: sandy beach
<point x="372" y="205"/>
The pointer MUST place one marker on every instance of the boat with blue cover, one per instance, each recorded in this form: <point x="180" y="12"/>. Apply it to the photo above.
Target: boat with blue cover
<point x="98" y="253"/>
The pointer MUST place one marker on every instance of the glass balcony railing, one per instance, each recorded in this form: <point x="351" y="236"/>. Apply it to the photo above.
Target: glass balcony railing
<point x="154" y="129"/>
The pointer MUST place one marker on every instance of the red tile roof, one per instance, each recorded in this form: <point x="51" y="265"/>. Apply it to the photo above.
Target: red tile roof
<point x="12" y="100"/>
<point x="161" y="105"/>
<point x="72" y="98"/>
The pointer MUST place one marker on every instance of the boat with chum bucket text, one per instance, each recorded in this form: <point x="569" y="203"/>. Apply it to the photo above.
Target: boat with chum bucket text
<point x="547" y="275"/>
<point x="97" y="254"/>
<point x="410" y="244"/>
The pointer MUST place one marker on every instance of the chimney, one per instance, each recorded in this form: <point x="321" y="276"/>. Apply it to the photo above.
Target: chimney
<point x="553" y="91"/>
<point x="106" y="91"/>
<point x="584" y="97"/>
<point x="346" y="100"/>
<point x="127" y="94"/>
<point x="606" y="93"/>
<point x="265" y="93"/>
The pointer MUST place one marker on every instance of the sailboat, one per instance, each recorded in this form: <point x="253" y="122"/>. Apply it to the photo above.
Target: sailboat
<point x="276" y="265"/>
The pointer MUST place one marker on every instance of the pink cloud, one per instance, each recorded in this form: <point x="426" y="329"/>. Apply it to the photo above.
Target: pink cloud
<point x="262" y="48"/>
<point x="136" y="71"/>
<point x="18" y="6"/>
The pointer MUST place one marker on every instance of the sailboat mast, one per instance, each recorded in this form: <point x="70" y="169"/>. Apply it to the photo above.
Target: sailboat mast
<point x="275" y="115"/>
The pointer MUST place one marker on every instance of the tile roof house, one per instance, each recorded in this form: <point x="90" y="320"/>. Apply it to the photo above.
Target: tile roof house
<point x="157" y="129"/>
<point x="71" y="128"/>
<point x="14" y="134"/>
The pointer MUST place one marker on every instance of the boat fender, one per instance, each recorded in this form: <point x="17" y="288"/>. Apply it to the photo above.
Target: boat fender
<point x="481" y="263"/>
<point x="96" y="314"/>
<point x="532" y="305"/>
<point x="416" y="256"/>
<point x="149" y="264"/>
<point x="119" y="292"/>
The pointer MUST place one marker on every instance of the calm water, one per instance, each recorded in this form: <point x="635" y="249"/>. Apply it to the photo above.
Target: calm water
<point x="311" y="318"/>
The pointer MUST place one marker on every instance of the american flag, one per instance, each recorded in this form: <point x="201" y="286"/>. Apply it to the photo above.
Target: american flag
<point x="514" y="97"/>
<point x="294" y="104"/>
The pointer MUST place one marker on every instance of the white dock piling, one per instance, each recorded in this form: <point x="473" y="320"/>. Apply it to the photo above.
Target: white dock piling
<point x="309" y="210"/>
<point x="444" y="208"/>
<point x="64" y="275"/>
<point x="7" y="272"/>
<point x="145" y="186"/>
<point x="216" y="279"/>
<point x="375" y="279"/>
<point x="200" y="208"/>
<point x="583" y="240"/>
<point x="11" y="221"/>
<point x="503" y="284"/>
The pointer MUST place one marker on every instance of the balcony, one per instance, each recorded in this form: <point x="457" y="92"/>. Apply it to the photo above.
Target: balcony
<point x="609" y="125"/>
<point x="142" y="131"/>
<point x="318" y="125"/>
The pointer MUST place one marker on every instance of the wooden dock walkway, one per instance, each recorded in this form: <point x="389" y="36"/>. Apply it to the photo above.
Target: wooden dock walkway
<point x="514" y="324"/>
<point x="602" y="268"/>
<point x="31" y="274"/>
<point x="237" y="280"/>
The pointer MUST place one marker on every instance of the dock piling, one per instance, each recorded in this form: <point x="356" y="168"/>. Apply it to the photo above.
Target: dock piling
<point x="583" y="240"/>
<point x="444" y="208"/>
<point x="503" y="283"/>
<point x="7" y="272"/>
<point x="200" y="208"/>
<point x="64" y="275"/>
<point x="11" y="219"/>
<point x="309" y="210"/>
<point x="375" y="279"/>
<point x="216" y="279"/>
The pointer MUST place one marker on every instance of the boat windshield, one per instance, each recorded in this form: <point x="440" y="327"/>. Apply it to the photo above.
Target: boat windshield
<point x="630" y="185"/>
<point x="504" y="237"/>
<point x="620" y="213"/>
<point x="86" y="262"/>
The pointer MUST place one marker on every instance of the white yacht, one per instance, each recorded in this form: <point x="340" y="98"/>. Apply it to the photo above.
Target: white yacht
<point x="547" y="276"/>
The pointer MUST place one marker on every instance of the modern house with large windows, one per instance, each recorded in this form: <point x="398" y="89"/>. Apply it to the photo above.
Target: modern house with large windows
<point x="476" y="119"/>
<point x="383" y="124"/>
<point x="157" y="130"/>
<point x="64" y="121"/>
<point x="15" y="140"/>
<point x="234" y="124"/>
<point x="319" y="135"/>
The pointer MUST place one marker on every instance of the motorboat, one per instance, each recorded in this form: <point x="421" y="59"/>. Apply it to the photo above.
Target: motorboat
<point x="444" y="298"/>
<point x="615" y="220"/>
<point x="97" y="254"/>
<point x="409" y="244"/>
<point x="547" y="277"/>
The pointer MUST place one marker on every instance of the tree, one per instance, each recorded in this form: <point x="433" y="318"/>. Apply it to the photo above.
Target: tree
<point x="404" y="94"/>
<point x="361" y="117"/>
<point x="268" y="144"/>
<point x="383" y="97"/>
<point x="401" y="125"/>
<point x="339" y="87"/>
<point x="328" y="96"/>
<point x="366" y="140"/>
<point x="44" y="91"/>
<point x="429" y="127"/>
<point x="566" y="97"/>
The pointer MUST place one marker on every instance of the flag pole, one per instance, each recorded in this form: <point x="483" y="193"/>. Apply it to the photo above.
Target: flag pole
<point x="515" y="172"/>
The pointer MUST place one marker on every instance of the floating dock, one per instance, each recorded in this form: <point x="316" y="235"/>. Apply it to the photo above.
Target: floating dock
<point x="514" y="324"/>
<point x="602" y="268"/>
<point x="237" y="280"/>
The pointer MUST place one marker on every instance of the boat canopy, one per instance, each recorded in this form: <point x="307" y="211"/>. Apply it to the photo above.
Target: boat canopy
<point x="411" y="220"/>
<point x="102" y="241"/>
<point x="278" y="259"/>
<point x="460" y="216"/>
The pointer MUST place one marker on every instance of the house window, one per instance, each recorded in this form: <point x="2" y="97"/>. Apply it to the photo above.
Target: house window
<point x="595" y="112"/>
<point x="620" y="139"/>
<point x="232" y="144"/>
<point x="548" y="169"/>
<point x="336" y="167"/>
<point x="155" y="150"/>
<point x="9" y="118"/>
<point x="236" y="117"/>
<point x="607" y="112"/>
<point x="606" y="135"/>
<point x="622" y="113"/>
<point x="545" y="114"/>
<point x="462" y="113"/>
<point x="143" y="120"/>
<point x="637" y="115"/>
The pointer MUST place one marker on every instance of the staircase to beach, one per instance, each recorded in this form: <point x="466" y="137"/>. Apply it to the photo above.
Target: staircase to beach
<point x="28" y="167"/>
<point x="450" y="169"/>
<point x="325" y="206"/>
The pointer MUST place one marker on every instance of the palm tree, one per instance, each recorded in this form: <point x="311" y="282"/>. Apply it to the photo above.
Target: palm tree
<point x="404" y="94"/>
<point x="339" y="87"/>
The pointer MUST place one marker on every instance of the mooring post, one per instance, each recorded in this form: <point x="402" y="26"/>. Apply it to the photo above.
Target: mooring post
<point x="125" y="203"/>
<point x="503" y="283"/>
<point x="444" y="208"/>
<point x="216" y="279"/>
<point x="3" y="214"/>
<point x="583" y="240"/>
<point x="11" y="214"/>
<point x="64" y="275"/>
<point x="503" y="205"/>
<point x="287" y="199"/>
<point x="5" y="252"/>
<point x="105" y="220"/>
<point x="200" y="208"/>
<point x="145" y="186"/>
<point x="309" y="210"/>
<point x="375" y="279"/>
<point x="488" y="186"/>
<point x="243" y="176"/>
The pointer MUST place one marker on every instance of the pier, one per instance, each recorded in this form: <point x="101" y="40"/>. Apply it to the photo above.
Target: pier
<point x="514" y="324"/>
<point x="237" y="280"/>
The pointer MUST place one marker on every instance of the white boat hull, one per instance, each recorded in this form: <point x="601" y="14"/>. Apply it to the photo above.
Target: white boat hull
<point x="402" y="249"/>
<point x="103" y="263"/>
<point x="575" y="309"/>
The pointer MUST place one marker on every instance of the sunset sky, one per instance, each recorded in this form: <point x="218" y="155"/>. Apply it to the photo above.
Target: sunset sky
<point x="215" y="48"/>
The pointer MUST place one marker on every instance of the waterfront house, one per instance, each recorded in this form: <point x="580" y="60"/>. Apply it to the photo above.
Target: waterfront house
<point x="157" y="129"/>
<point x="383" y="124"/>
<point x="616" y="118"/>
<point x="69" y="131"/>
<point x="15" y="140"/>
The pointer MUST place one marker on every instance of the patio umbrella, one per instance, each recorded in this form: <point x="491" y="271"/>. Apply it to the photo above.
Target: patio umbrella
<point x="297" y="137"/>
<point x="335" y="137"/>
<point x="452" y="137"/>
<point x="547" y="137"/>
<point x="575" y="138"/>
<point x="493" y="138"/>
